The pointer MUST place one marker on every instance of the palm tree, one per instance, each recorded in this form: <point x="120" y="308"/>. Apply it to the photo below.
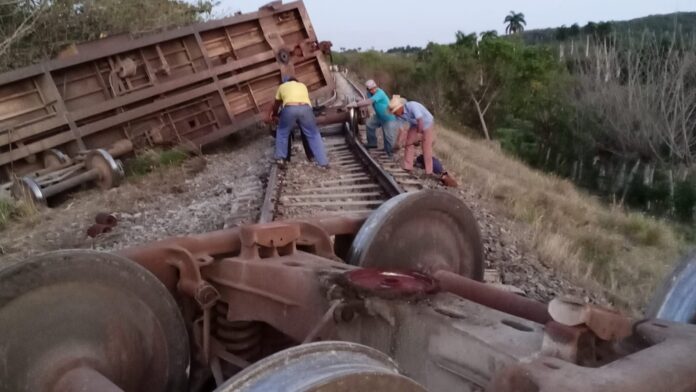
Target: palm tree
<point x="515" y="23"/>
<point x="489" y="35"/>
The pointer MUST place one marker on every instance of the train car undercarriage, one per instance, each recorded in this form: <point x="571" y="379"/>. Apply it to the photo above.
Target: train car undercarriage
<point x="390" y="300"/>
<point x="279" y="306"/>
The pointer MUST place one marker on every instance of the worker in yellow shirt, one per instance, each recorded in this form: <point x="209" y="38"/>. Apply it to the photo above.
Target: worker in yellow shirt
<point x="293" y="97"/>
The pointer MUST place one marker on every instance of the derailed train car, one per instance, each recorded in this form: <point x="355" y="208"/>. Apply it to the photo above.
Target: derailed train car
<point x="195" y="84"/>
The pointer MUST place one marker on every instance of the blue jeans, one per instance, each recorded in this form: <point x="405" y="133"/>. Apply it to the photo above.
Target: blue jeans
<point x="389" y="133"/>
<point x="302" y="116"/>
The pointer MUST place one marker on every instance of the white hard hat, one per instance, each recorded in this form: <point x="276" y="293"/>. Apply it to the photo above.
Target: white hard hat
<point x="370" y="84"/>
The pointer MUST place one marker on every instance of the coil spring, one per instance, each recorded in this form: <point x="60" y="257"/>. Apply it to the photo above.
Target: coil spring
<point x="242" y="338"/>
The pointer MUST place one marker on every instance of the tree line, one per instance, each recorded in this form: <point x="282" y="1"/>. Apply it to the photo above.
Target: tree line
<point x="618" y="116"/>
<point x="685" y="22"/>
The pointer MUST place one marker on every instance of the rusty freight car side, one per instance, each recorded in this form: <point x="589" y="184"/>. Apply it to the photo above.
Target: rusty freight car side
<point x="198" y="83"/>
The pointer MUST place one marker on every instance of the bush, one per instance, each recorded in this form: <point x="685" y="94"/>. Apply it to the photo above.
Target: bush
<point x="141" y="164"/>
<point x="520" y="143"/>
<point x="149" y="160"/>
<point x="684" y="200"/>
<point x="173" y="157"/>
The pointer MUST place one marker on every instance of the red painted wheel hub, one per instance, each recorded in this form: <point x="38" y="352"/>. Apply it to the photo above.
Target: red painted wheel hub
<point x="391" y="284"/>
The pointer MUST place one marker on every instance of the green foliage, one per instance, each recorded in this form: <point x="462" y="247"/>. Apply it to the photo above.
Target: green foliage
<point x="684" y="200"/>
<point x="150" y="160"/>
<point x="654" y="198"/>
<point x="521" y="142"/>
<point x="141" y="164"/>
<point x="684" y="22"/>
<point x="54" y="24"/>
<point x="173" y="157"/>
<point x="517" y="83"/>
<point x="531" y="102"/>
<point x="564" y="32"/>
<point x="408" y="49"/>
<point x="391" y="71"/>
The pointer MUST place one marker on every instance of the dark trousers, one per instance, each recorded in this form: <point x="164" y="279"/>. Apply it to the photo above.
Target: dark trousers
<point x="303" y="117"/>
<point x="305" y="145"/>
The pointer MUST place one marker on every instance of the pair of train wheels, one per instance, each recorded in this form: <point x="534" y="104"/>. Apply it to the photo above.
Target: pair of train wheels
<point x="120" y="320"/>
<point x="125" y="329"/>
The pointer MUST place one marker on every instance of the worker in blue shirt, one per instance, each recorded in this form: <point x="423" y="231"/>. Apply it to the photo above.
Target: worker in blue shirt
<point x="382" y="118"/>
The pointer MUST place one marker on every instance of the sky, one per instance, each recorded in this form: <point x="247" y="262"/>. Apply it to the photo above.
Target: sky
<point x="383" y="24"/>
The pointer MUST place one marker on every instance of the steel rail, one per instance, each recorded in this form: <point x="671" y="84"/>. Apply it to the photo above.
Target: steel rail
<point x="384" y="179"/>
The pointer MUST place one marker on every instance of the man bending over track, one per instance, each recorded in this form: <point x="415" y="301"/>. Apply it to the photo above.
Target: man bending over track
<point x="293" y="97"/>
<point x="421" y="128"/>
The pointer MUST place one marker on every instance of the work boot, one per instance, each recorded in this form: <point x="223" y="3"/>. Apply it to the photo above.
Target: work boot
<point x="448" y="180"/>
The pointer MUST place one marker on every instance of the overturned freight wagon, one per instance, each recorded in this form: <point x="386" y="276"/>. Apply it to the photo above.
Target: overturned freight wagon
<point x="71" y="116"/>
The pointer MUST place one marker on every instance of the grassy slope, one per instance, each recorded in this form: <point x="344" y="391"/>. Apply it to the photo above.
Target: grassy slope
<point x="626" y="254"/>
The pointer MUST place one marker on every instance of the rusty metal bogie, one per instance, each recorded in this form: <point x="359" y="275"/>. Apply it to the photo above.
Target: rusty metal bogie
<point x="305" y="296"/>
<point x="97" y="166"/>
<point x="248" y="292"/>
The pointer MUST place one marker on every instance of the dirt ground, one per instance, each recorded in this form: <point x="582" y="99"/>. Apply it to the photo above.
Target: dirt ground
<point x="193" y="198"/>
<point x="506" y="250"/>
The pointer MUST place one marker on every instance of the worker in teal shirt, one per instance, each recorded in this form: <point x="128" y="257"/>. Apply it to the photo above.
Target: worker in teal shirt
<point x="382" y="118"/>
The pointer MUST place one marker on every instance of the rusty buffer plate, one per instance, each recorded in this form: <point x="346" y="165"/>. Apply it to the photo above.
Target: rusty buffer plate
<point x="390" y="284"/>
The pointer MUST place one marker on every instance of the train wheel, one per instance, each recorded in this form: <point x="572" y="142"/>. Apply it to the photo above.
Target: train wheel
<point x="424" y="231"/>
<point x="323" y="366"/>
<point x="675" y="299"/>
<point x="85" y="320"/>
<point x="110" y="170"/>
<point x="27" y="189"/>
<point x="54" y="158"/>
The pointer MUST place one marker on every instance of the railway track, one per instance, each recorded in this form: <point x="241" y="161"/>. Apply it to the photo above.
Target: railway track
<point x="407" y="182"/>
<point x="358" y="181"/>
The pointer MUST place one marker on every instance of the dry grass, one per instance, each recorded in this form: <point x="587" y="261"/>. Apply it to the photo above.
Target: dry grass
<point x="625" y="253"/>
<point x="13" y="210"/>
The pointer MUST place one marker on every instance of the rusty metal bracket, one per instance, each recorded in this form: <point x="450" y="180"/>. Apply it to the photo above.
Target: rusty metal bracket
<point x="607" y="324"/>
